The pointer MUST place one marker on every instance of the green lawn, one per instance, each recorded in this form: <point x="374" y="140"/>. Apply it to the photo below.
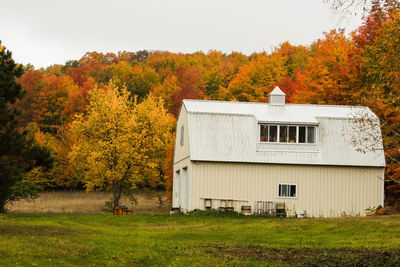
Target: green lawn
<point x="181" y="240"/>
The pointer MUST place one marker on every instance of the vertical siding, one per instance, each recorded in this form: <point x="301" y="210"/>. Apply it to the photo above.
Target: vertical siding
<point x="182" y="152"/>
<point x="189" y="188"/>
<point x="323" y="191"/>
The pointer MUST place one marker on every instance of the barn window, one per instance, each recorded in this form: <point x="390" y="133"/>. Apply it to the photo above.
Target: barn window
<point x="263" y="133"/>
<point x="287" y="190"/>
<point x="311" y="134"/>
<point x="283" y="134"/>
<point x="295" y="134"/>
<point x="302" y="134"/>
<point x="182" y="135"/>
<point x="292" y="134"/>
<point x="273" y="133"/>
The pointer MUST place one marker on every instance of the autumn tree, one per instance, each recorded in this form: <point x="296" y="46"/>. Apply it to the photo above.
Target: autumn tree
<point x="166" y="90"/>
<point x="380" y="77"/>
<point x="138" y="56"/>
<point x="371" y="24"/>
<point x="168" y="167"/>
<point x="102" y="58"/>
<point x="52" y="98"/>
<point x="120" y="145"/>
<point x="255" y="80"/>
<point x="32" y="83"/>
<point x="190" y="86"/>
<point x="331" y="72"/>
<point x="354" y="7"/>
<point x="62" y="173"/>
<point x="83" y="72"/>
<point x="138" y="80"/>
<point x="18" y="154"/>
<point x="77" y="101"/>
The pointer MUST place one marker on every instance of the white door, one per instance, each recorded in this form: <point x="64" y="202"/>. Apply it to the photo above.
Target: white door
<point x="175" y="190"/>
<point x="184" y="190"/>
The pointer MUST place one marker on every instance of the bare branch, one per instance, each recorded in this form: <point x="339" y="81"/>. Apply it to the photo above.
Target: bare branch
<point x="363" y="131"/>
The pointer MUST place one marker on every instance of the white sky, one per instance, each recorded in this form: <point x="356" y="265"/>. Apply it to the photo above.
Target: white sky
<point x="45" y="32"/>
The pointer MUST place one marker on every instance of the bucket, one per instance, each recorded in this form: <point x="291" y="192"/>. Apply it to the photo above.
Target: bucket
<point x="300" y="213"/>
<point x="246" y="210"/>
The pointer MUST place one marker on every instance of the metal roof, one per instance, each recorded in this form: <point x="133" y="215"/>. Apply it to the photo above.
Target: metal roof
<point x="228" y="132"/>
<point x="288" y="113"/>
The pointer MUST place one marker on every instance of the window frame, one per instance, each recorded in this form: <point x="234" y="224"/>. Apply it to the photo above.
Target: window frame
<point x="289" y="184"/>
<point x="288" y="125"/>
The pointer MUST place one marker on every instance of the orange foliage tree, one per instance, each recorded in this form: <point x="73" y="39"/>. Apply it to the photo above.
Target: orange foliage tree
<point x="190" y="86"/>
<point x="254" y="81"/>
<point x="331" y="71"/>
<point x="380" y="76"/>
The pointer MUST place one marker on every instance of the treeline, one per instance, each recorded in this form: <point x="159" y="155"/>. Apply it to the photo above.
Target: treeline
<point x="360" y="69"/>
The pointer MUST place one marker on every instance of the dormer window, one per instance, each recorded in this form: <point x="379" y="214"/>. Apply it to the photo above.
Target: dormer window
<point x="281" y="133"/>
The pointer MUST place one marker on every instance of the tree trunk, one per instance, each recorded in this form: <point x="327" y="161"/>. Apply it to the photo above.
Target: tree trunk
<point x="117" y="190"/>
<point x="2" y="206"/>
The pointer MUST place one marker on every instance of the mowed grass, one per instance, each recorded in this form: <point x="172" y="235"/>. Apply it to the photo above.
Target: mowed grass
<point x="182" y="240"/>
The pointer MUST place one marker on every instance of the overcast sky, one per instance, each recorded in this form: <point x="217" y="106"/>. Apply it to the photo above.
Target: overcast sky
<point x="45" y="32"/>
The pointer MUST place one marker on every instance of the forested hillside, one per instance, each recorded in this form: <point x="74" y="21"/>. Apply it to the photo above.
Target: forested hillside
<point x="360" y="69"/>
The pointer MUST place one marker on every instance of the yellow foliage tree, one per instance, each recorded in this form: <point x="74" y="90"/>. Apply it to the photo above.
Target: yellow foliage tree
<point x="61" y="174"/>
<point x="120" y="145"/>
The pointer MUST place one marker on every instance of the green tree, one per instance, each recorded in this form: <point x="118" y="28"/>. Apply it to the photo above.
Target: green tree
<point x="120" y="145"/>
<point x="18" y="154"/>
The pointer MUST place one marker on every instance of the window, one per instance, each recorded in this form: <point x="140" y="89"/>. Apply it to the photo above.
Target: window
<point x="294" y="134"/>
<point x="182" y="135"/>
<point x="311" y="134"/>
<point x="287" y="190"/>
<point x="283" y="134"/>
<point x="273" y="133"/>
<point x="263" y="133"/>
<point x="302" y="134"/>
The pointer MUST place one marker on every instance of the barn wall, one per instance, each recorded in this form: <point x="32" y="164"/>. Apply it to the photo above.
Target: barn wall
<point x="178" y="184"/>
<point x="182" y="152"/>
<point x="321" y="190"/>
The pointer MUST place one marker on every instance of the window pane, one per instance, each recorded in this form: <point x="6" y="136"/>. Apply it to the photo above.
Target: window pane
<point x="263" y="133"/>
<point x="285" y="192"/>
<point x="293" y="190"/>
<point x="273" y="133"/>
<point x="311" y="135"/>
<point x="302" y="134"/>
<point x="182" y="136"/>
<point x="292" y="134"/>
<point x="280" y="190"/>
<point x="283" y="133"/>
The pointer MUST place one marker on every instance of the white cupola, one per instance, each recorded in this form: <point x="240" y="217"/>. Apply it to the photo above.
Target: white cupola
<point x="277" y="97"/>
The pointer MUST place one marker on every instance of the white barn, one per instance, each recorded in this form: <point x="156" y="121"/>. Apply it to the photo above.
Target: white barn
<point x="261" y="156"/>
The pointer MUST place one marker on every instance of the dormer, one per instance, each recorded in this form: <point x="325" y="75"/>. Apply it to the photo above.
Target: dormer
<point x="276" y="97"/>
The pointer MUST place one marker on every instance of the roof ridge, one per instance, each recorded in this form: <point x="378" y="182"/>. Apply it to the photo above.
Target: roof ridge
<point x="263" y="103"/>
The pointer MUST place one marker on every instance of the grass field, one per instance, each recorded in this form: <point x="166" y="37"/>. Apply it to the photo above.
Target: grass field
<point x="81" y="203"/>
<point x="182" y="240"/>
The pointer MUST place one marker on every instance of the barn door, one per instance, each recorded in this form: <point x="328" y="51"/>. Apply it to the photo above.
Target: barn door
<point x="184" y="189"/>
<point x="175" y="194"/>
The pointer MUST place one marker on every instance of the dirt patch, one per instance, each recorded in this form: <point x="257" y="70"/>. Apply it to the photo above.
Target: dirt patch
<point x="312" y="256"/>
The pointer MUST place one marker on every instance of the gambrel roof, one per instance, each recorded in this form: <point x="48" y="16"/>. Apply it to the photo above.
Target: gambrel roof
<point x="229" y="132"/>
